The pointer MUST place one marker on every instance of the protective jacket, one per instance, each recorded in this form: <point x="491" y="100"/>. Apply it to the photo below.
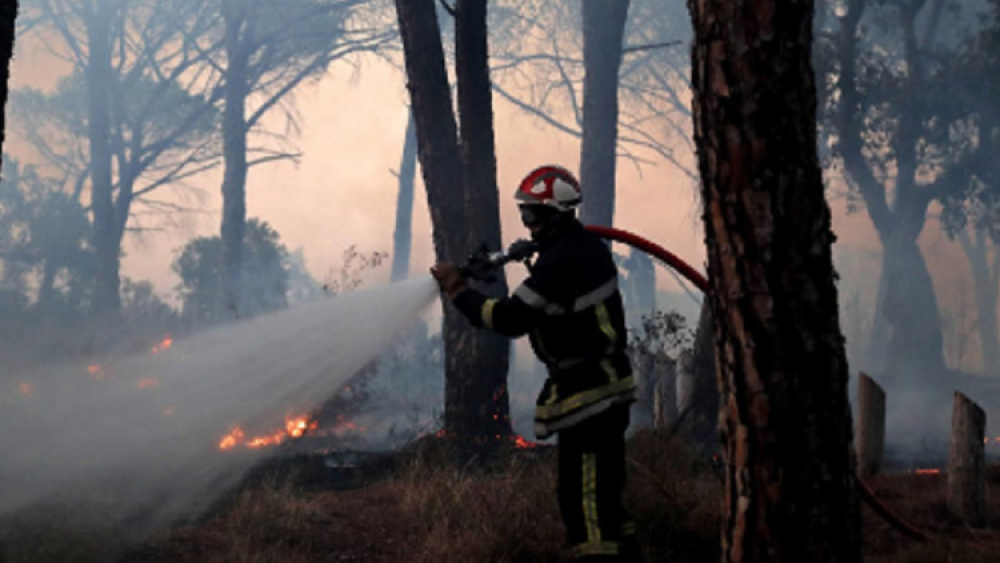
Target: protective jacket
<point x="571" y="308"/>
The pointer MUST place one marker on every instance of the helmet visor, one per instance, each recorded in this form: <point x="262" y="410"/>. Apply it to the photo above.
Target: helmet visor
<point x="535" y="215"/>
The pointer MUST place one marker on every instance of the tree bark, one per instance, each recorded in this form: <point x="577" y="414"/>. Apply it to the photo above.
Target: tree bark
<point x="402" y="236"/>
<point x="234" y="150"/>
<point x="444" y="168"/>
<point x="786" y="422"/>
<point x="99" y="76"/>
<point x="8" y="17"/>
<point x="480" y="387"/>
<point x="603" y="32"/>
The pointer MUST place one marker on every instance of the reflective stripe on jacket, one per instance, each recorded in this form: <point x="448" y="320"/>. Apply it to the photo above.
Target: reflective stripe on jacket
<point x="572" y="311"/>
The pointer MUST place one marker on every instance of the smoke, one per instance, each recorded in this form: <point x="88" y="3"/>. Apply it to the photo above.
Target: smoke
<point x="142" y="433"/>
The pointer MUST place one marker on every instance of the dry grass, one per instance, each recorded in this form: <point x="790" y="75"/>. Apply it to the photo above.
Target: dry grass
<point x="268" y="524"/>
<point x="504" y="511"/>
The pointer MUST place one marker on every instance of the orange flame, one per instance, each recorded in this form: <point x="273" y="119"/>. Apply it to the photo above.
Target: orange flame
<point x="164" y="344"/>
<point x="230" y="440"/>
<point x="991" y="440"/>
<point x="147" y="382"/>
<point x="927" y="471"/>
<point x="524" y="443"/>
<point x="295" y="427"/>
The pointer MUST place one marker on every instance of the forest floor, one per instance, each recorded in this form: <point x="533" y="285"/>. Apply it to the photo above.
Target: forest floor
<point x="422" y="507"/>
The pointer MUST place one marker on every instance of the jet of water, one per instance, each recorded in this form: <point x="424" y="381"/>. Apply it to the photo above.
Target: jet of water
<point x="145" y="431"/>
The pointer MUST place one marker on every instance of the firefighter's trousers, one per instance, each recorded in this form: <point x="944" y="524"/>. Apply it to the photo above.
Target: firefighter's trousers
<point x="591" y="485"/>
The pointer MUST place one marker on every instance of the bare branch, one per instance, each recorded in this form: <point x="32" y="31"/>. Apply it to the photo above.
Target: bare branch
<point x="651" y="46"/>
<point x="448" y="8"/>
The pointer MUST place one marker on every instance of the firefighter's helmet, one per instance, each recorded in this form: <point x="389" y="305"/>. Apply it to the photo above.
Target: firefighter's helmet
<point x="553" y="186"/>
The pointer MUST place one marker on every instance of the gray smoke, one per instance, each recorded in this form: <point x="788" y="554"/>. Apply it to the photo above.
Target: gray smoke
<point x="144" y="433"/>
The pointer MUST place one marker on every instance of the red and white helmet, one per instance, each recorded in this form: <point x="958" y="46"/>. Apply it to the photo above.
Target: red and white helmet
<point x="550" y="185"/>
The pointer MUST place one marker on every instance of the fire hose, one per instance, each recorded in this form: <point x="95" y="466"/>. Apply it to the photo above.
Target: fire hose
<point x="483" y="264"/>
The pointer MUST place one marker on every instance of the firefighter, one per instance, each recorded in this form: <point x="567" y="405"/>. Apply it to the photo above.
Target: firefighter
<point x="572" y="311"/>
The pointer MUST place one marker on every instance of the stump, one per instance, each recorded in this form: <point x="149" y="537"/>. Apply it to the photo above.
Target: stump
<point x="966" y="471"/>
<point x="665" y="399"/>
<point x="870" y="432"/>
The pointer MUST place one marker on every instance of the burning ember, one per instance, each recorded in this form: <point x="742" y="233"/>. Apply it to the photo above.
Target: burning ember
<point x="147" y="382"/>
<point x="96" y="371"/>
<point x="523" y="443"/>
<point x="164" y="344"/>
<point x="927" y="471"/>
<point x="295" y="427"/>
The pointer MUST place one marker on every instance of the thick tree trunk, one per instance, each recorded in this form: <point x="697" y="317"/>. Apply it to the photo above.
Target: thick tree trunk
<point x="402" y="236"/>
<point x="99" y="77"/>
<point x="440" y="158"/>
<point x="909" y="306"/>
<point x="786" y="422"/>
<point x="603" y="31"/>
<point x="480" y="388"/>
<point x="8" y="17"/>
<point x="234" y="150"/>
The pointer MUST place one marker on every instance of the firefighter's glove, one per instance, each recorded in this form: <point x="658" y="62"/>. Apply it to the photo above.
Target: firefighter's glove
<point x="449" y="278"/>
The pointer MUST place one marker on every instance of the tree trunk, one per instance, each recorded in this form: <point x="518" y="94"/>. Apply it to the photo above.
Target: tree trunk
<point x="99" y="77"/>
<point x="603" y="31"/>
<point x="909" y="306"/>
<point x="234" y="150"/>
<point x="786" y="422"/>
<point x="402" y="236"/>
<point x="480" y="388"/>
<point x="8" y="17"/>
<point x="440" y="158"/>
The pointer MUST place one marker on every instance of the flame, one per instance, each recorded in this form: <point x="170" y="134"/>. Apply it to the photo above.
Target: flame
<point x="26" y="389"/>
<point x="991" y="440"/>
<point x="524" y="443"/>
<point x="164" y="344"/>
<point x="147" y="382"/>
<point x="927" y="471"/>
<point x="230" y="440"/>
<point x="96" y="371"/>
<point x="295" y="427"/>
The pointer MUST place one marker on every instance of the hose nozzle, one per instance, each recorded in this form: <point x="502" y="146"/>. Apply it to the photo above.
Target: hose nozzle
<point x="483" y="264"/>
